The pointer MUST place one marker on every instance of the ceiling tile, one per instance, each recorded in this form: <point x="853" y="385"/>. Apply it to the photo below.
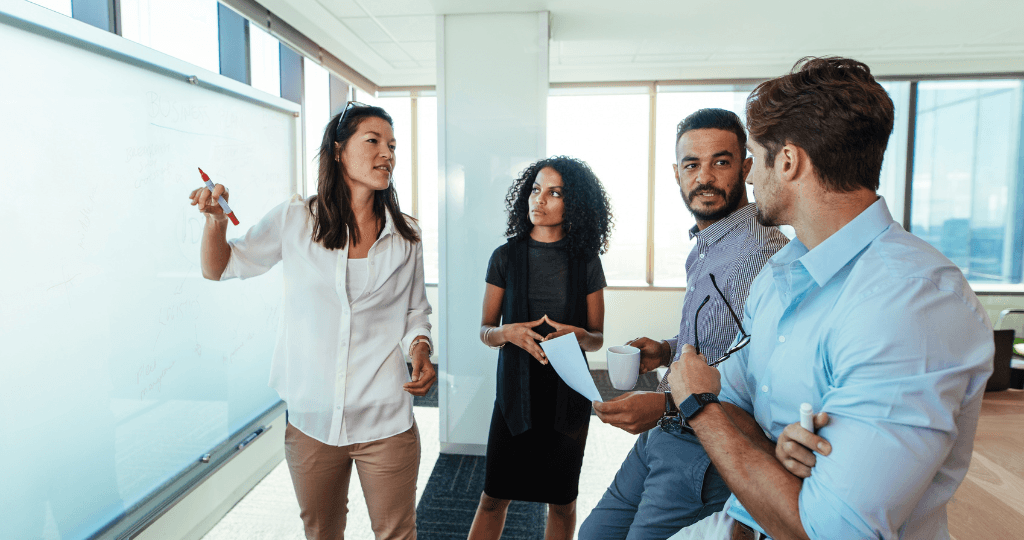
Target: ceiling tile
<point x="416" y="28"/>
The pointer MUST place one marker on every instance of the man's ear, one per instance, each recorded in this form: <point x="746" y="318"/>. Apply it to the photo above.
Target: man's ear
<point x="675" y="170"/>
<point x="791" y="162"/>
<point x="747" y="164"/>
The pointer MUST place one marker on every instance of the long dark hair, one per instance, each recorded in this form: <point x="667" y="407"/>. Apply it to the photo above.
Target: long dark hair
<point x="587" y="214"/>
<point x="334" y="223"/>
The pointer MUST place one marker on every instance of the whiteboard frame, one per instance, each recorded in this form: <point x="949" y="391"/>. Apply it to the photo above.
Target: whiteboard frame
<point x="36" y="19"/>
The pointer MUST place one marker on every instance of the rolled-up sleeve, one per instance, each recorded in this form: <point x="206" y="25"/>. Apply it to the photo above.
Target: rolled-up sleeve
<point x="417" y="320"/>
<point x="260" y="248"/>
<point x="906" y="379"/>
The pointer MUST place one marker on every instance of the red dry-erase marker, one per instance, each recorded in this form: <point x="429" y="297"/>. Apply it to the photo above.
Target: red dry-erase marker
<point x="220" y="200"/>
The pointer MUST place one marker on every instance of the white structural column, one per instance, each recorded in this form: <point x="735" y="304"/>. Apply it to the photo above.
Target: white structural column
<point x="492" y="87"/>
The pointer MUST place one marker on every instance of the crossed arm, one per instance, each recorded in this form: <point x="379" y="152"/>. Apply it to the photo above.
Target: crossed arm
<point x="769" y="492"/>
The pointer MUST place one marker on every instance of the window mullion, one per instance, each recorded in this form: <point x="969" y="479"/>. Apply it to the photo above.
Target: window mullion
<point x="651" y="127"/>
<point x="908" y="180"/>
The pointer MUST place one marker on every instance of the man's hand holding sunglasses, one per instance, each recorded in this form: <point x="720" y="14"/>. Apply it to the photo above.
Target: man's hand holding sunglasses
<point x="691" y="374"/>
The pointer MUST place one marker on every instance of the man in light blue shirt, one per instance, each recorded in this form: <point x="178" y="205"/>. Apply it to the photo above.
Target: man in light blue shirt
<point x="857" y="317"/>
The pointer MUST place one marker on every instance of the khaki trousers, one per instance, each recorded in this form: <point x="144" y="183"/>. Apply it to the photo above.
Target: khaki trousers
<point x="387" y="472"/>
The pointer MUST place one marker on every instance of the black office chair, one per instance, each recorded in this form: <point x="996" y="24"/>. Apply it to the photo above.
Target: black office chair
<point x="1015" y="361"/>
<point x="1000" y="379"/>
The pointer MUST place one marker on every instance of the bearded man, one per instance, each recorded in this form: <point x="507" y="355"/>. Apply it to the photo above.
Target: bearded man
<point x="667" y="481"/>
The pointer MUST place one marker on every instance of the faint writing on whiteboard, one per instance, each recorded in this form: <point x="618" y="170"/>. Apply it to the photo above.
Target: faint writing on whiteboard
<point x="186" y="309"/>
<point x="155" y="383"/>
<point x="155" y="172"/>
<point x="148" y="151"/>
<point x="66" y="284"/>
<point x="160" y="107"/>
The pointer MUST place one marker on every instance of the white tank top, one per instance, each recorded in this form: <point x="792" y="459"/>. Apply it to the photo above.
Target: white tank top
<point x="356" y="278"/>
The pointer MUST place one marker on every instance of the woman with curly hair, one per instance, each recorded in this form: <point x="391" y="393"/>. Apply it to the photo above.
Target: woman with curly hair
<point x="544" y="282"/>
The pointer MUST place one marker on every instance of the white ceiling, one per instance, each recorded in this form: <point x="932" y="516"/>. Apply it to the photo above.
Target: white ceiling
<point x="392" y="42"/>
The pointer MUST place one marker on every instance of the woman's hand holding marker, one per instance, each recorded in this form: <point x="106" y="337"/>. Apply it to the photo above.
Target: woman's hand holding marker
<point x="213" y="200"/>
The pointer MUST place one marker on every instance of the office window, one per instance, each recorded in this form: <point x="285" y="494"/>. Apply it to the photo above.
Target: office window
<point x="966" y="198"/>
<point x="316" y="105"/>
<point x="185" y="29"/>
<point x="610" y="132"/>
<point x="264" y="61"/>
<point x="426" y="182"/>
<point x="60" y="6"/>
<point x="892" y="181"/>
<point x="672" y="220"/>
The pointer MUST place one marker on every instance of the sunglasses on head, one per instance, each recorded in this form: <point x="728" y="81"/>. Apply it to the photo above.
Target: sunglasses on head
<point x="341" y="121"/>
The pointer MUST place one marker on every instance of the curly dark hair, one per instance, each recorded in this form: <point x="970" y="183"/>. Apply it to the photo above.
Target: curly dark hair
<point x="587" y="214"/>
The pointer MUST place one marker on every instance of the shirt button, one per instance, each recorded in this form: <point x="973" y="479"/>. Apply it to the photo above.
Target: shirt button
<point x="701" y="255"/>
<point x="782" y="339"/>
<point x="343" y="343"/>
<point x="764" y="388"/>
<point x="338" y="407"/>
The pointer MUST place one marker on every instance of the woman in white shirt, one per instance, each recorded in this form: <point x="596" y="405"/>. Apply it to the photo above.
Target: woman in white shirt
<point x="354" y="303"/>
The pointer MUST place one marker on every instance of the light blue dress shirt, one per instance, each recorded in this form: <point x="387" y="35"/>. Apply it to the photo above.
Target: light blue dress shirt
<point x="881" y="331"/>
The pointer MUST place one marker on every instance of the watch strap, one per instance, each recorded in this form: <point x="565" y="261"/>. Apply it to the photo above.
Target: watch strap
<point x="692" y="405"/>
<point x="670" y="404"/>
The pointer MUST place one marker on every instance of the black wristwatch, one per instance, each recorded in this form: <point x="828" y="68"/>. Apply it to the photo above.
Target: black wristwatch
<point x="692" y="405"/>
<point x="670" y="404"/>
<point x="669" y="420"/>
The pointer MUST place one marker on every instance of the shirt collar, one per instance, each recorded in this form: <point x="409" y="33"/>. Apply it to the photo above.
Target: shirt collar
<point x="389" y="224"/>
<point x="837" y="250"/>
<point x="717" y="230"/>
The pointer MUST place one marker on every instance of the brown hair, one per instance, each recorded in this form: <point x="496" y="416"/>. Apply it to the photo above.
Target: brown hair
<point x="834" y="110"/>
<point x="331" y="208"/>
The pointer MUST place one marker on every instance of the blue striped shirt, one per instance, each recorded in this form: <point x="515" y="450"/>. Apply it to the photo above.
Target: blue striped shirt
<point x="734" y="249"/>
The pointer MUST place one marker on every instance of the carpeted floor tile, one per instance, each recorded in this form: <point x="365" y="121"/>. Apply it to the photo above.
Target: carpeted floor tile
<point x="448" y="504"/>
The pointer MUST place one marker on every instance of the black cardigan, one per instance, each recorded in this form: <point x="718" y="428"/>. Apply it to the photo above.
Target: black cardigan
<point x="513" y="388"/>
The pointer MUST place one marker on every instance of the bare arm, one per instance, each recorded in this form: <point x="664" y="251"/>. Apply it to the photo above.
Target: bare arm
<point x="214" y="251"/>
<point x="590" y="338"/>
<point x="768" y="491"/>
<point x="519" y="334"/>
<point x="749" y="427"/>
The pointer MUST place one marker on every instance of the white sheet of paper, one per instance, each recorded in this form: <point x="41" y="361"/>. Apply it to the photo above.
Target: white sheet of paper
<point x="565" y="356"/>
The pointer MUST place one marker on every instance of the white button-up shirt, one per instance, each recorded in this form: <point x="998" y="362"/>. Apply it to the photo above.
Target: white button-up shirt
<point x="339" y="364"/>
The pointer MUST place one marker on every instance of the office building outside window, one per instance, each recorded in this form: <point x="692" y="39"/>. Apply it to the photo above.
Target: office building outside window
<point x="967" y="183"/>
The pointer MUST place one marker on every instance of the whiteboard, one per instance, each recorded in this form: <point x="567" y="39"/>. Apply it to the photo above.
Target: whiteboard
<point x="121" y="365"/>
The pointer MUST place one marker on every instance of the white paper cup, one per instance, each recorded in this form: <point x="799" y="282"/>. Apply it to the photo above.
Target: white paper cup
<point x="623" y="366"/>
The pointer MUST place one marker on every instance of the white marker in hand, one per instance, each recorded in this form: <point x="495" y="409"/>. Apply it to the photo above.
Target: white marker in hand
<point x="807" y="417"/>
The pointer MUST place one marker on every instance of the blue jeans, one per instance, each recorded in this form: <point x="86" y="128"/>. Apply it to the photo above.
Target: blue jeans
<point x="667" y="482"/>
